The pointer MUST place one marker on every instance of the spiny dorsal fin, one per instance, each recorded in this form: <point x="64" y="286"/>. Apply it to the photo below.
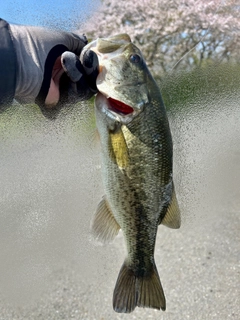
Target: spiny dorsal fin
<point x="172" y="218"/>
<point x="104" y="226"/>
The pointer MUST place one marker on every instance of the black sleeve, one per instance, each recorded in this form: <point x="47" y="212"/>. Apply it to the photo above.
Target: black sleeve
<point x="8" y="66"/>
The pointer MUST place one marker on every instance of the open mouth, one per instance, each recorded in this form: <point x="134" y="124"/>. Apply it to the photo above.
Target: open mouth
<point x="120" y="107"/>
<point x="116" y="110"/>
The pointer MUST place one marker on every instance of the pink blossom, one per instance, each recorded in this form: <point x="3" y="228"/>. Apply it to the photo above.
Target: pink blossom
<point x="167" y="30"/>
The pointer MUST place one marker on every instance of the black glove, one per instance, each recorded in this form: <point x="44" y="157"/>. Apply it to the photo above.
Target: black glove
<point x="83" y="73"/>
<point x="40" y="74"/>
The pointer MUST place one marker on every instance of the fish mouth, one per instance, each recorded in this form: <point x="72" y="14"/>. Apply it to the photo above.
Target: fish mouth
<point x="117" y="110"/>
<point x="120" y="107"/>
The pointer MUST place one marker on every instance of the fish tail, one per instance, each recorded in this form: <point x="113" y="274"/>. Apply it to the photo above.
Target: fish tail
<point x="131" y="291"/>
<point x="124" y="295"/>
<point x="151" y="293"/>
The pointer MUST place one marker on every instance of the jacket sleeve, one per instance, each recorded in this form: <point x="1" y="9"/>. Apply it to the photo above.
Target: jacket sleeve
<point x="8" y="66"/>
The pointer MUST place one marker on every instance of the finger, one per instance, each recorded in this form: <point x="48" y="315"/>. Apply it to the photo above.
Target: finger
<point x="72" y="66"/>
<point x="75" y="43"/>
<point x="90" y="64"/>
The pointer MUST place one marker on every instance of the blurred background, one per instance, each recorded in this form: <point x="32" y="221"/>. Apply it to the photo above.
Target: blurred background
<point x="50" y="267"/>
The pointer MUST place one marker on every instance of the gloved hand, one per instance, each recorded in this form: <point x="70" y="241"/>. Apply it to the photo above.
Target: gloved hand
<point x="82" y="72"/>
<point x="41" y="77"/>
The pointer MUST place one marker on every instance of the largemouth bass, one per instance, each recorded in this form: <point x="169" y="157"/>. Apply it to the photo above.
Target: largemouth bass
<point x="136" y="166"/>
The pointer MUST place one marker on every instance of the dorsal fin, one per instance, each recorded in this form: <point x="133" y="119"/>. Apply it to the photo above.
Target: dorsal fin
<point x="172" y="218"/>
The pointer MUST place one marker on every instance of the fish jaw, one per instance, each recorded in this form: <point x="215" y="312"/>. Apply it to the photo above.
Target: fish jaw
<point x="105" y="47"/>
<point x="110" y="108"/>
<point x="132" y="93"/>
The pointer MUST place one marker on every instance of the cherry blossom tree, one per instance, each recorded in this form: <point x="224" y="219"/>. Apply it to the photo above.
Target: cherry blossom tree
<point x="173" y="33"/>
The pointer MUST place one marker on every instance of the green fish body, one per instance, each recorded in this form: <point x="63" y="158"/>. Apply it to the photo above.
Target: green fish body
<point x="136" y="168"/>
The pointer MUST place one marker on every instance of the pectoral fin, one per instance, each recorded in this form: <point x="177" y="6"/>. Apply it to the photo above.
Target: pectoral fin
<point x="104" y="226"/>
<point x="172" y="218"/>
<point x="119" y="149"/>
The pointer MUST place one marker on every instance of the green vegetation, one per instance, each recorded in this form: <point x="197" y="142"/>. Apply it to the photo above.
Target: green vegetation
<point x="20" y="121"/>
<point x="185" y="88"/>
<point x="18" y="118"/>
<point x="181" y="90"/>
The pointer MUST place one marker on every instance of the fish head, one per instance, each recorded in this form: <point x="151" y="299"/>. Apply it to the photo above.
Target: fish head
<point x="122" y="78"/>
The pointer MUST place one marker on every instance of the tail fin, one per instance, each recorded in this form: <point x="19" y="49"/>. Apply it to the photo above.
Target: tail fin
<point x="151" y="293"/>
<point x="131" y="291"/>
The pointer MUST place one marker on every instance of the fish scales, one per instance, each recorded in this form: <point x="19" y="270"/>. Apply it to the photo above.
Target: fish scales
<point x="137" y="154"/>
<point x="140" y="183"/>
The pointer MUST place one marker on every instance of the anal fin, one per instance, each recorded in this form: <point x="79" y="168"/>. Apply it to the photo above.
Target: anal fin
<point x="172" y="218"/>
<point x="104" y="226"/>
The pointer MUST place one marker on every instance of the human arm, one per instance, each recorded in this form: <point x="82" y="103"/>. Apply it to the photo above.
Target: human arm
<point x="32" y="58"/>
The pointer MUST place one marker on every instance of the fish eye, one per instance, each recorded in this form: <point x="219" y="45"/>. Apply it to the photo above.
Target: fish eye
<point x="135" y="58"/>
